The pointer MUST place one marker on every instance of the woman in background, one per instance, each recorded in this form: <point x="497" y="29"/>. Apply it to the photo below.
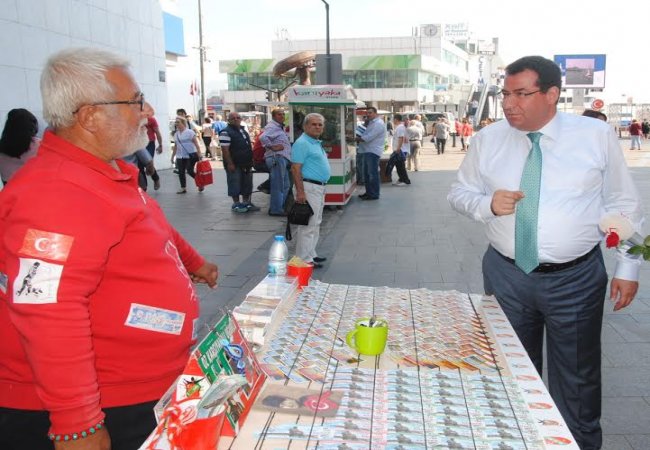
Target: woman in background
<point x="187" y="152"/>
<point x="18" y="142"/>
<point x="207" y="133"/>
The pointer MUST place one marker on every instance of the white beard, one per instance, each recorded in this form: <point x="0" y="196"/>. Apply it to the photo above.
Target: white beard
<point x="128" y="144"/>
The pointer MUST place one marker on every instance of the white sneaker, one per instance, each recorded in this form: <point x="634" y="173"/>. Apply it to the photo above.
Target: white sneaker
<point x="400" y="184"/>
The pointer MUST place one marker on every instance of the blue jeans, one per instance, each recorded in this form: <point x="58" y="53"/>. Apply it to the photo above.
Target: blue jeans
<point x="361" y="171"/>
<point x="240" y="182"/>
<point x="279" y="174"/>
<point x="371" y="174"/>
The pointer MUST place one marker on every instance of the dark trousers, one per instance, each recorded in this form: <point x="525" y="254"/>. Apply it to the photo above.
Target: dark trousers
<point x="360" y="161"/>
<point x="186" y="165"/>
<point x="266" y="184"/>
<point x="128" y="426"/>
<point x="206" y="141"/>
<point x="151" y="148"/>
<point x="440" y="144"/>
<point x="400" y="166"/>
<point x="142" y="180"/>
<point x="568" y="304"/>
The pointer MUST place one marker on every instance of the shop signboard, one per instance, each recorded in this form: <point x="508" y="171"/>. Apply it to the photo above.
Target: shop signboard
<point x="337" y="94"/>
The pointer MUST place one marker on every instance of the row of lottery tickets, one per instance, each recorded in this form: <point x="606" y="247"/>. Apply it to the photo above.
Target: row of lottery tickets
<point x="411" y="409"/>
<point x="441" y="331"/>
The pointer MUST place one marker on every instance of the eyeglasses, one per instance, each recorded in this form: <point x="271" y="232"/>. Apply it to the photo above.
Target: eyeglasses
<point x="519" y="95"/>
<point x="139" y="101"/>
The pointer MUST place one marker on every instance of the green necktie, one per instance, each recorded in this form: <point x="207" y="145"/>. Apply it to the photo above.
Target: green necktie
<point x="526" y="257"/>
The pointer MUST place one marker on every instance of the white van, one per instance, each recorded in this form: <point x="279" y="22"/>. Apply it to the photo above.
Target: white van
<point x="431" y="117"/>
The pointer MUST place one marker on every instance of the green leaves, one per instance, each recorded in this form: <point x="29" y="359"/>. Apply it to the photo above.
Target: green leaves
<point x="642" y="250"/>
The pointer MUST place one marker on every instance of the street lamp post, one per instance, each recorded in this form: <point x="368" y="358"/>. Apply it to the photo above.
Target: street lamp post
<point x="204" y="106"/>
<point x="327" y="42"/>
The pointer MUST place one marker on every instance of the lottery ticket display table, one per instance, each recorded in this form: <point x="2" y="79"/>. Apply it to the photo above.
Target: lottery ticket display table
<point x="453" y="375"/>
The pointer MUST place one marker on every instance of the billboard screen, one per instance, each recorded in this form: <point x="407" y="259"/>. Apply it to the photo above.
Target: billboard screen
<point x="582" y="71"/>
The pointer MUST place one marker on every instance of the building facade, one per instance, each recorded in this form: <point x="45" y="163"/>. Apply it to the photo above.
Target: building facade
<point x="434" y="69"/>
<point x="34" y="30"/>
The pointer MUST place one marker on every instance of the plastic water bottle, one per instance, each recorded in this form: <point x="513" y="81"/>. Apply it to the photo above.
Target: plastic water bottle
<point x="278" y="256"/>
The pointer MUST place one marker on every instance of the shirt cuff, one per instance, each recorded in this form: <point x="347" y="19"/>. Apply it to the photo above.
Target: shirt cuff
<point x="485" y="209"/>
<point x="627" y="268"/>
<point x="75" y="420"/>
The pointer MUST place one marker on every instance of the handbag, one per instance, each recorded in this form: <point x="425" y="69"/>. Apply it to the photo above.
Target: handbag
<point x="299" y="214"/>
<point x="203" y="173"/>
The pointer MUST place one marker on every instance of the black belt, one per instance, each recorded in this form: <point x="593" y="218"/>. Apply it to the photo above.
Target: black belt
<point x="414" y="140"/>
<point x="556" y="267"/>
<point x="307" y="180"/>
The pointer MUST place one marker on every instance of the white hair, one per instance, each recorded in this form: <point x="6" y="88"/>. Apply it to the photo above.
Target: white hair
<point x="310" y="116"/>
<point x="74" y="77"/>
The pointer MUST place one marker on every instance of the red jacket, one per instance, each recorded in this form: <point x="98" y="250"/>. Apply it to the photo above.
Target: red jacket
<point x="635" y="129"/>
<point x="96" y="305"/>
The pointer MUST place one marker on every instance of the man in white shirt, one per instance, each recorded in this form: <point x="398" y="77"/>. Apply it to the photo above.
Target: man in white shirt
<point x="402" y="149"/>
<point x="441" y="131"/>
<point x="552" y="223"/>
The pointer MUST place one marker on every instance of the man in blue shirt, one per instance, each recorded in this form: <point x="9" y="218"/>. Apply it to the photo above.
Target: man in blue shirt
<point x="311" y="170"/>
<point x="278" y="157"/>
<point x="218" y="126"/>
<point x="371" y="143"/>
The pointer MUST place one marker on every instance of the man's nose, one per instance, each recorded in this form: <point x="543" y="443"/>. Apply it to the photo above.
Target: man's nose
<point x="148" y="110"/>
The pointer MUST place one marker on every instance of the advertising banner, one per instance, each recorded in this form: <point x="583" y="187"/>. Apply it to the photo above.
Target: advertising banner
<point x="582" y="71"/>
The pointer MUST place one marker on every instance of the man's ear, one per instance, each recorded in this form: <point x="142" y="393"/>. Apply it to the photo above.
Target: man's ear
<point x="553" y="95"/>
<point x="88" y="118"/>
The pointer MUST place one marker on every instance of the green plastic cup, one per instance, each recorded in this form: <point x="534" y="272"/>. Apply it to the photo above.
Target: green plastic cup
<point x="366" y="339"/>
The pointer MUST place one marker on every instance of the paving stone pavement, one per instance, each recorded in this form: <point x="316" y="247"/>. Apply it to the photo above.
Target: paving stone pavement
<point x="410" y="238"/>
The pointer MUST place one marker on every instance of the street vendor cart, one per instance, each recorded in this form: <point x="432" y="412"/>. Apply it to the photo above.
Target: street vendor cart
<point x="337" y="104"/>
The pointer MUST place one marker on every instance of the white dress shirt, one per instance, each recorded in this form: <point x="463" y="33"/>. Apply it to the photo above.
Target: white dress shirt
<point x="584" y="176"/>
<point x="374" y="137"/>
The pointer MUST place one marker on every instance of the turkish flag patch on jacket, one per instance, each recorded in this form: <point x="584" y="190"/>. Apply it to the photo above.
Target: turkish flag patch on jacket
<point x="46" y="245"/>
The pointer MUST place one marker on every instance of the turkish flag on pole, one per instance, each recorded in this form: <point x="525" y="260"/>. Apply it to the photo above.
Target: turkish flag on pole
<point x="194" y="88"/>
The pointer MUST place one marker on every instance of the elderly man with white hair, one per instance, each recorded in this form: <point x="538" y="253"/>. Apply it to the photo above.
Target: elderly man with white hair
<point x="110" y="313"/>
<point x="311" y="171"/>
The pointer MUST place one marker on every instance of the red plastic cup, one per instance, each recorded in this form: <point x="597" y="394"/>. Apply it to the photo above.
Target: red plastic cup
<point x="302" y="273"/>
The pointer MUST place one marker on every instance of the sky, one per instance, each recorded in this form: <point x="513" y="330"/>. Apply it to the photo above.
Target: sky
<point x="244" y="30"/>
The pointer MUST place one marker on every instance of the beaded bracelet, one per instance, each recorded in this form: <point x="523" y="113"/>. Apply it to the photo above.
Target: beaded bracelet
<point x="74" y="436"/>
